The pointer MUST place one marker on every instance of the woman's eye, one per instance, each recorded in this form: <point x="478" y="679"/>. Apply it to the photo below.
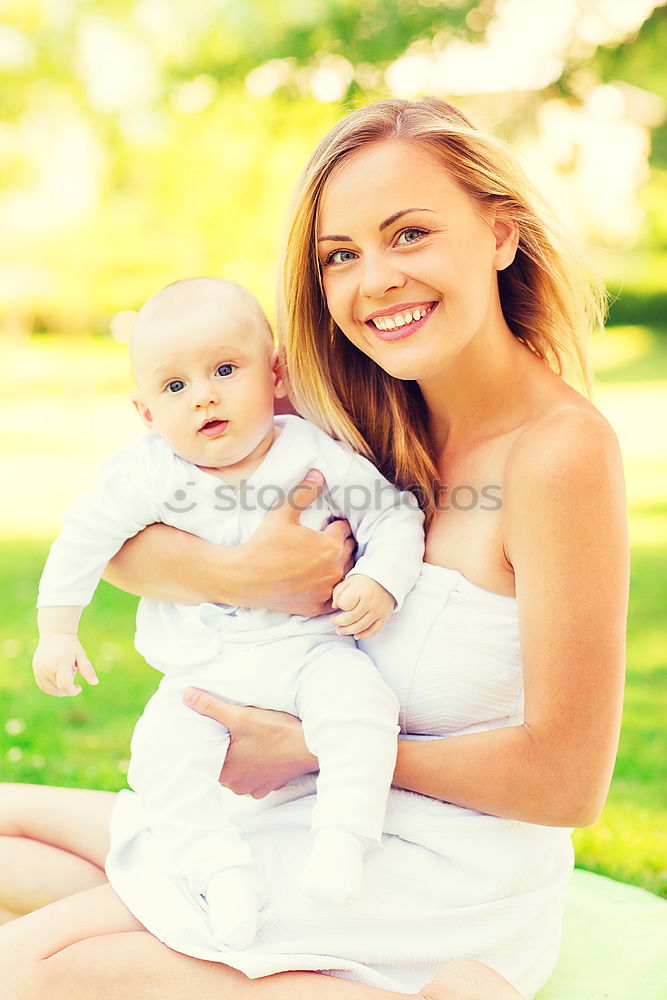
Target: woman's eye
<point x="224" y="369"/>
<point x="175" y="385"/>
<point x="339" y="257"/>
<point x="410" y="235"/>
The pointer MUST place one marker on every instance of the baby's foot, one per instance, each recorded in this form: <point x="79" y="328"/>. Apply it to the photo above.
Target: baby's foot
<point x="334" y="867"/>
<point x="234" y="902"/>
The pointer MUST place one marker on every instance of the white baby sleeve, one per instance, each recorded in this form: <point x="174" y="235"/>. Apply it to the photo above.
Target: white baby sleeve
<point x="388" y="526"/>
<point x="96" y="524"/>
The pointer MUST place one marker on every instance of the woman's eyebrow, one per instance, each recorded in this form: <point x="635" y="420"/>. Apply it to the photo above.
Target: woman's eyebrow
<point x="383" y="225"/>
<point x="397" y="215"/>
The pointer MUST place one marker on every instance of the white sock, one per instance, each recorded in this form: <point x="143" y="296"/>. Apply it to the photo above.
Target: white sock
<point x="334" y="867"/>
<point x="234" y="901"/>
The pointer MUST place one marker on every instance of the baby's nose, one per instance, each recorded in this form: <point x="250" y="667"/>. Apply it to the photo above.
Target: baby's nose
<point x="205" y="395"/>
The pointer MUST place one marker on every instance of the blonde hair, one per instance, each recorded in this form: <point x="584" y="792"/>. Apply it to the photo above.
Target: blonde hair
<point x="547" y="299"/>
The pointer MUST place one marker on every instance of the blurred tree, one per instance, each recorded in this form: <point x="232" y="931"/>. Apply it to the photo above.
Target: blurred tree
<point x="642" y="63"/>
<point x="639" y="59"/>
<point x="145" y="139"/>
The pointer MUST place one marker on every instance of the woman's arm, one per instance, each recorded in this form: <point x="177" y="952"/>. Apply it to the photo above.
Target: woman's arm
<point x="566" y="539"/>
<point x="567" y="542"/>
<point x="283" y="566"/>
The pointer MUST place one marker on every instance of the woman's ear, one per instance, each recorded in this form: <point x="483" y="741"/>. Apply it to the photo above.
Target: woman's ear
<point x="142" y="409"/>
<point x="506" y="232"/>
<point x="279" y="387"/>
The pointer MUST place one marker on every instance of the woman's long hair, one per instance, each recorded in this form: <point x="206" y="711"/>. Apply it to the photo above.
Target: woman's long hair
<point x="548" y="301"/>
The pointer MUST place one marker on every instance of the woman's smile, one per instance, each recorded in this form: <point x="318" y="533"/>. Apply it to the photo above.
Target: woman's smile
<point x="399" y="322"/>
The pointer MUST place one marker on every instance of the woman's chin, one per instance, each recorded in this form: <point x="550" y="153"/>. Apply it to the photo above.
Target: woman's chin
<point x="406" y="369"/>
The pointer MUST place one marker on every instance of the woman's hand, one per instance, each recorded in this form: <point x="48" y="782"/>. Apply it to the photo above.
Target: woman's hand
<point x="284" y="566"/>
<point x="267" y="748"/>
<point x="291" y="568"/>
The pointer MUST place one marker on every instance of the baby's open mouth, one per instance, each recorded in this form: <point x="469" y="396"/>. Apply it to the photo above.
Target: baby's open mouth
<point x="212" y="428"/>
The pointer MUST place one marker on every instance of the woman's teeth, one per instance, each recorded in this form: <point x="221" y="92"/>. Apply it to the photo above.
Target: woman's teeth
<point x="399" y="319"/>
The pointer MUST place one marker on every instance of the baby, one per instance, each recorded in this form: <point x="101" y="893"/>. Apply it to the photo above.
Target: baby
<point x="215" y="460"/>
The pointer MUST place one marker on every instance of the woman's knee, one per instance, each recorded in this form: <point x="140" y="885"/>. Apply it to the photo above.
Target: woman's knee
<point x="73" y="819"/>
<point x="11" y="798"/>
<point x="126" y="964"/>
<point x="30" y="986"/>
<point x="67" y="975"/>
<point x="17" y="975"/>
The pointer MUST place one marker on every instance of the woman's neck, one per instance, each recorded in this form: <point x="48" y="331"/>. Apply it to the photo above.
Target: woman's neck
<point x="482" y="393"/>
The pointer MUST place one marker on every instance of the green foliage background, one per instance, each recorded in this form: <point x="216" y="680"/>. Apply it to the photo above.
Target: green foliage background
<point x="183" y="188"/>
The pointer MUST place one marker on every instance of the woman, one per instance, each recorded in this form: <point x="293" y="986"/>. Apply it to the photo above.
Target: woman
<point x="427" y="314"/>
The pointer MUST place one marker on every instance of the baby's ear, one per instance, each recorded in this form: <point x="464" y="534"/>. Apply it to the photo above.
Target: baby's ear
<point x="280" y="389"/>
<point x="122" y="325"/>
<point x="142" y="409"/>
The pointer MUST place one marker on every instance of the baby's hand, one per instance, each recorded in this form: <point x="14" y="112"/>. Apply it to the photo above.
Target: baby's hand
<point x="367" y="606"/>
<point x="57" y="659"/>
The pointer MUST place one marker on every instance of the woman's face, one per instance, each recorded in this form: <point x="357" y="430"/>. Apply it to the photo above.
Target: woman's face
<point x="409" y="263"/>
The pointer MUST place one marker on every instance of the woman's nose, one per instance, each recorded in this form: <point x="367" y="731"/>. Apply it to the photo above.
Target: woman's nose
<point x="379" y="276"/>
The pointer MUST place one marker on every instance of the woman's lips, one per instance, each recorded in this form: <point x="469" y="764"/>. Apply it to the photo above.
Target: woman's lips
<point x="214" y="428"/>
<point x="402" y="331"/>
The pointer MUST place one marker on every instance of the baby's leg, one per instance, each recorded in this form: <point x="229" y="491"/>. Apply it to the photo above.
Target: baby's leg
<point x="350" y="722"/>
<point x="176" y="760"/>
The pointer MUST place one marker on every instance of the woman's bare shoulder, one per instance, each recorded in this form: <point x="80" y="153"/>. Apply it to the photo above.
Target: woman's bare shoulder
<point x="566" y="437"/>
<point x="565" y="509"/>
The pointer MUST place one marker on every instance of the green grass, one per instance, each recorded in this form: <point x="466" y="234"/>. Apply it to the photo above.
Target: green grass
<point x="636" y="283"/>
<point x="645" y="364"/>
<point x="72" y="741"/>
<point x="65" y="426"/>
<point x="629" y="841"/>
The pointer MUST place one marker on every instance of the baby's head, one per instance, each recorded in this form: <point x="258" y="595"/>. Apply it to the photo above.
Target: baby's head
<point x="206" y="370"/>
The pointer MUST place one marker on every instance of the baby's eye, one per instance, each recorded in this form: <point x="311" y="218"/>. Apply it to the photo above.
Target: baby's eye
<point x="225" y="369"/>
<point x="410" y="235"/>
<point x="338" y="257"/>
<point x="175" y="385"/>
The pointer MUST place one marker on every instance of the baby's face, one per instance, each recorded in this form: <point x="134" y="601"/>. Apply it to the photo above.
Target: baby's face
<point x="207" y="377"/>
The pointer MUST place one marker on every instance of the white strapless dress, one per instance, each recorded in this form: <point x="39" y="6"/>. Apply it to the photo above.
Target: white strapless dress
<point x="446" y="882"/>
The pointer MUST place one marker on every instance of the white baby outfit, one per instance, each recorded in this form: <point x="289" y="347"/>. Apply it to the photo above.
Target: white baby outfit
<point x="445" y="882"/>
<point x="257" y="657"/>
